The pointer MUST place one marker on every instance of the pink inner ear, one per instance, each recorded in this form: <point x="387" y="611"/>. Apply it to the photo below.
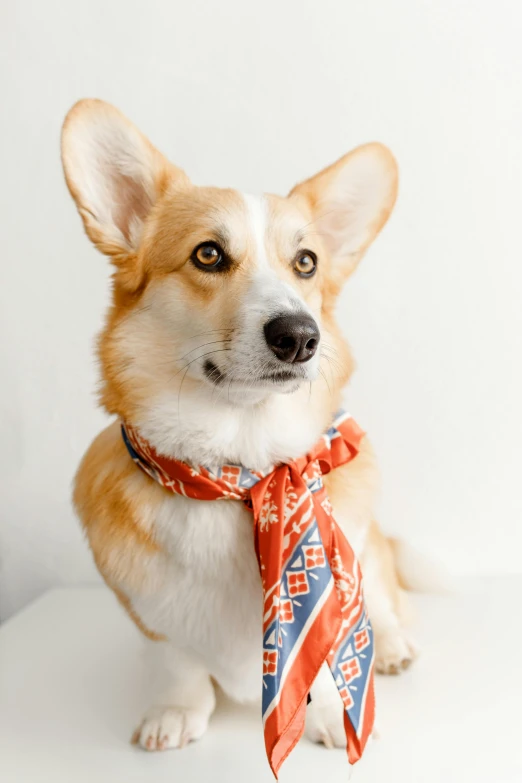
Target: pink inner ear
<point x="335" y="225"/>
<point x="132" y="203"/>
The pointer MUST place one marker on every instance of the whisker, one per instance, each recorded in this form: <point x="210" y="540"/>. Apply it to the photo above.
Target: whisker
<point x="228" y="391"/>
<point x="212" y="342"/>
<point x="306" y="234"/>
<point x="331" y="361"/>
<point x="325" y="379"/>
<point x="330" y="347"/>
<point x="315" y="219"/>
<point x="208" y="353"/>
<point x="180" y="358"/>
<point x="334" y="377"/>
<point x="211" y="331"/>
<point x="334" y="358"/>
<point x="142" y="309"/>
<point x="179" y="392"/>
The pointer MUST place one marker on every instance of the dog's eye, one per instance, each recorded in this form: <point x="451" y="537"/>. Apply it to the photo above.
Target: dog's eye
<point x="305" y="264"/>
<point x="207" y="256"/>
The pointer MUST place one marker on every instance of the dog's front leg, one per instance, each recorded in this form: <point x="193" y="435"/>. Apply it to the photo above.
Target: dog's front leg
<point x="183" y="699"/>
<point x="324" y="713"/>
<point x="394" y="648"/>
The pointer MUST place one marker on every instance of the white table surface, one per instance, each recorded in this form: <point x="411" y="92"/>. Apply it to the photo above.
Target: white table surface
<point x="70" y="697"/>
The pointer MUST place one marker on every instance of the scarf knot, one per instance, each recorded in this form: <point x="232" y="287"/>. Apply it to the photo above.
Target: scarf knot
<point x="313" y="609"/>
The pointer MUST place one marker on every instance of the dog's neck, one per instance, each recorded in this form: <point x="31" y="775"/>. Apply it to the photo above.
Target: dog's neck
<point x="201" y="429"/>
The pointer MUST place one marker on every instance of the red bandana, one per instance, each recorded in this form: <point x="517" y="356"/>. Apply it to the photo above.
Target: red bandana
<point x="313" y="603"/>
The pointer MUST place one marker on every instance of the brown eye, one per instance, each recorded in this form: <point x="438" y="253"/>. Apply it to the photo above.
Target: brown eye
<point x="207" y="256"/>
<point x="305" y="264"/>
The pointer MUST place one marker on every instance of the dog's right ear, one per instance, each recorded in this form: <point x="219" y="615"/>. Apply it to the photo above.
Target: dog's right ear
<point x="115" y="176"/>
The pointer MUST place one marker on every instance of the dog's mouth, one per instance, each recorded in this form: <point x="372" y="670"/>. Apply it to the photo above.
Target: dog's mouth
<point x="218" y="377"/>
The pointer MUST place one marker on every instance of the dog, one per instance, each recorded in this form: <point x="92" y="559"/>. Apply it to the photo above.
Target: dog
<point x="221" y="346"/>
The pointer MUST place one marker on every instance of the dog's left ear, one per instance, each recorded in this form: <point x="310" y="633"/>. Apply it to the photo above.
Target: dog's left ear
<point x="351" y="200"/>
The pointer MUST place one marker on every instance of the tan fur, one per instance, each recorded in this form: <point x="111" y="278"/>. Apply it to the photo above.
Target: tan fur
<point x="108" y="491"/>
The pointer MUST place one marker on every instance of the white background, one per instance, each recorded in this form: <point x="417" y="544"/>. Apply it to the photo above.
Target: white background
<point x="258" y="97"/>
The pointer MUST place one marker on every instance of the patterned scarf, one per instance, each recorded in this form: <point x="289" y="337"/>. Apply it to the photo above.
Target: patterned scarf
<point x="313" y="602"/>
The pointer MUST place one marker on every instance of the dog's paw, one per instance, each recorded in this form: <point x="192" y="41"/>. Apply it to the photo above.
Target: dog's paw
<point x="394" y="651"/>
<point x="169" y="727"/>
<point x="325" y="724"/>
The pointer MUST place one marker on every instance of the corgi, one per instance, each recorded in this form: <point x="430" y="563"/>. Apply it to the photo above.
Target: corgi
<point x="220" y="346"/>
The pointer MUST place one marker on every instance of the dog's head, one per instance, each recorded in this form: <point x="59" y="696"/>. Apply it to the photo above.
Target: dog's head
<point x="223" y="292"/>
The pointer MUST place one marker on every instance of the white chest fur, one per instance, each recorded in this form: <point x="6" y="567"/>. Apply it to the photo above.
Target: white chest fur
<point x="209" y="599"/>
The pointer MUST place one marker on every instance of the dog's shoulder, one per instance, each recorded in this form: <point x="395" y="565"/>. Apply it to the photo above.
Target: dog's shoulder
<point x="116" y="503"/>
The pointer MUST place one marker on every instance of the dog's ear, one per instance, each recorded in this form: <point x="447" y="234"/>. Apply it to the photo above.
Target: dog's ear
<point x="351" y="201"/>
<point x="115" y="176"/>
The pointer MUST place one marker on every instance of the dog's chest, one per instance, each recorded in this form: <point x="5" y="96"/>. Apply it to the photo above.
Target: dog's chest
<point x="209" y="593"/>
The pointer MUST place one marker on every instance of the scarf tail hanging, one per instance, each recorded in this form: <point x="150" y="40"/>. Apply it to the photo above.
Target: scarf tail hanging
<point x="313" y="609"/>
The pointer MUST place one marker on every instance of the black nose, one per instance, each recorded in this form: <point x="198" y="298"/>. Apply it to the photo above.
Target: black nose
<point x="293" y="338"/>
